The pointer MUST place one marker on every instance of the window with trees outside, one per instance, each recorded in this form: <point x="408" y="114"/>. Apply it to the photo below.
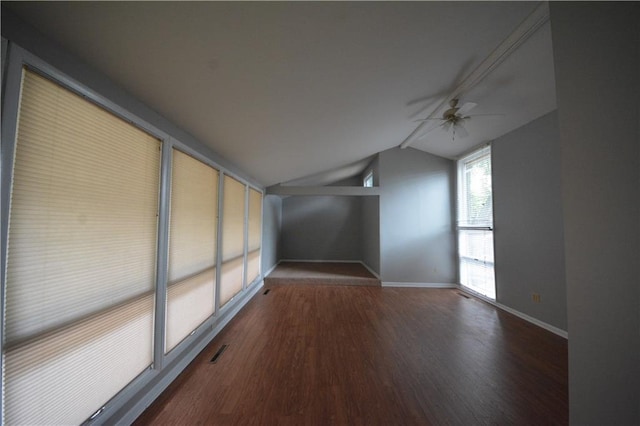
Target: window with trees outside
<point x="475" y="223"/>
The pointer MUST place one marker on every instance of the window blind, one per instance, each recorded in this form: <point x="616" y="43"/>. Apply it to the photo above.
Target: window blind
<point x="232" y="239"/>
<point x="475" y="202"/>
<point x="192" y="247"/>
<point x="81" y="256"/>
<point x="255" y="235"/>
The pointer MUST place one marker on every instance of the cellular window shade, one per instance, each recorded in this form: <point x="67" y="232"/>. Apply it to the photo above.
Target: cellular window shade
<point x="255" y="235"/>
<point x="192" y="247"/>
<point x="232" y="239"/>
<point x="81" y="256"/>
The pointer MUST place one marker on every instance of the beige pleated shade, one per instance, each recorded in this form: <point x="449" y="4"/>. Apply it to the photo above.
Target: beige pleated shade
<point x="255" y="219"/>
<point x="231" y="279"/>
<point x="192" y="246"/>
<point x="64" y="377"/>
<point x="233" y="219"/>
<point x="81" y="256"/>
<point x="253" y="265"/>
<point x="255" y="235"/>
<point x="232" y="239"/>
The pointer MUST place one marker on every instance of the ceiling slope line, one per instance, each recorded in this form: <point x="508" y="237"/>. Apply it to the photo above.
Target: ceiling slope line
<point x="526" y="29"/>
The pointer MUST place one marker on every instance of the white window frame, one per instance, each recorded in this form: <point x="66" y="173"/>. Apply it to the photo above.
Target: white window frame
<point x="462" y="226"/>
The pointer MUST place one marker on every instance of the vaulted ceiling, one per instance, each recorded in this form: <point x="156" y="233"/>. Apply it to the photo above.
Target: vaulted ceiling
<point x="293" y="89"/>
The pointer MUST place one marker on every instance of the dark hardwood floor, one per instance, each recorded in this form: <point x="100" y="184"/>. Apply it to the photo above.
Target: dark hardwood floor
<point x="356" y="355"/>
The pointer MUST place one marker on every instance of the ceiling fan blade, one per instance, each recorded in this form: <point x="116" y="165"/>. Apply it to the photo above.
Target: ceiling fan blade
<point x="424" y="135"/>
<point x="466" y="108"/>
<point x="426" y="98"/>
<point x="447" y="126"/>
<point x="427" y="119"/>
<point x="461" y="131"/>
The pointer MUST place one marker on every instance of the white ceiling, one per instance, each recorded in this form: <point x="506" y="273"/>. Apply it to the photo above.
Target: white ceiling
<point x="289" y="90"/>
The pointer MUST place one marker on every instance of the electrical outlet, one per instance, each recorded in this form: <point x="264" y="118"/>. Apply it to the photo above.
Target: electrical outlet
<point x="535" y="297"/>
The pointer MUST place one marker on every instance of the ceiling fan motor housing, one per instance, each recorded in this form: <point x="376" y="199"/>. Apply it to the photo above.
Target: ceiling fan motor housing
<point x="450" y="114"/>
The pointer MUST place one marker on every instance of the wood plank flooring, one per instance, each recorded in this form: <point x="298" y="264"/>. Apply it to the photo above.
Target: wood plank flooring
<point x="355" y="355"/>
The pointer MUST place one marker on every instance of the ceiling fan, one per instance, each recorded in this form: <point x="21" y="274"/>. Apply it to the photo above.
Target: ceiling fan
<point x="454" y="118"/>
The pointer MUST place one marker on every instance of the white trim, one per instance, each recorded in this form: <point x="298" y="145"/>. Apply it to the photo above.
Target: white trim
<point x="532" y="320"/>
<point x="374" y="273"/>
<point x="555" y="330"/>
<point x="418" y="285"/>
<point x="266" y="274"/>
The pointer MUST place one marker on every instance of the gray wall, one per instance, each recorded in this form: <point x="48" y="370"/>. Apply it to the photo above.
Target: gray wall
<point x="417" y="238"/>
<point x="528" y="224"/>
<point x="596" y="55"/>
<point x="351" y="181"/>
<point x="3" y="64"/>
<point x="370" y="232"/>
<point x="321" y="228"/>
<point x="271" y="227"/>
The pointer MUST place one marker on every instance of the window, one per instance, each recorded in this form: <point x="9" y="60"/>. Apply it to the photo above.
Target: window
<point x="368" y="180"/>
<point x="232" y="239"/>
<point x="255" y="235"/>
<point x="192" y="247"/>
<point x="475" y="223"/>
<point x="100" y="215"/>
<point x="81" y="264"/>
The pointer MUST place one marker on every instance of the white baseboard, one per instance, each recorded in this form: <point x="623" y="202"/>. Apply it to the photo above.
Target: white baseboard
<point x="374" y="273"/>
<point x="266" y="274"/>
<point x="555" y="330"/>
<point x="548" y="327"/>
<point x="418" y="285"/>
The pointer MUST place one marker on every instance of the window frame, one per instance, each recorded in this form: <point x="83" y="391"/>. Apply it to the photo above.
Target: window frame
<point x="461" y="187"/>
<point x="18" y="58"/>
<point x="367" y="182"/>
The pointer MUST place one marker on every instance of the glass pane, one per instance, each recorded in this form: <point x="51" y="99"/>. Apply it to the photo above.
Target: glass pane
<point x="476" y="261"/>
